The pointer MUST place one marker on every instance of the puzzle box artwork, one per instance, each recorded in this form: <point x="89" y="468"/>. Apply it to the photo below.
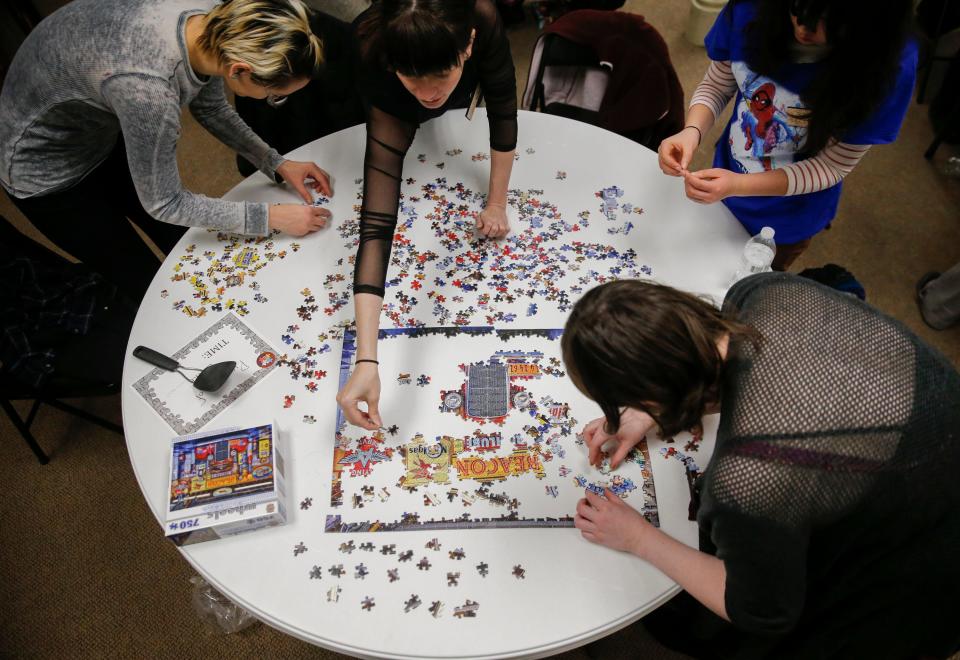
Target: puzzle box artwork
<point x="489" y="437"/>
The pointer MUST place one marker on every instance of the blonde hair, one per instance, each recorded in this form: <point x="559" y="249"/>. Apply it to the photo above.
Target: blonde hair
<point x="272" y="37"/>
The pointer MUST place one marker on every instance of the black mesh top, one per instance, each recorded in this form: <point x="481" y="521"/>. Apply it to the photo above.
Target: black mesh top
<point x="393" y="118"/>
<point x="832" y="496"/>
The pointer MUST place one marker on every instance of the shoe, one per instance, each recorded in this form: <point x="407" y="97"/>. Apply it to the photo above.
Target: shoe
<point x="923" y="282"/>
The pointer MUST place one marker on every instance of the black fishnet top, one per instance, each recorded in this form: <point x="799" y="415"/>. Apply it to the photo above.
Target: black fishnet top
<point x="832" y="496"/>
<point x="393" y="118"/>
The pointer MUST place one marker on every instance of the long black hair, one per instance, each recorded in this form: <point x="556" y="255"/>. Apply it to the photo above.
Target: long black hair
<point x="648" y="346"/>
<point x="416" y="37"/>
<point x="866" y="40"/>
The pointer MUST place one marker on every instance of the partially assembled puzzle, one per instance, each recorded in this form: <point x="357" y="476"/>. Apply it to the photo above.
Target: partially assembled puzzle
<point x="481" y="432"/>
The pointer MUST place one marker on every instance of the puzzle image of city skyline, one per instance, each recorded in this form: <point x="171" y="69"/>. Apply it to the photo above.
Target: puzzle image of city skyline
<point x="482" y="431"/>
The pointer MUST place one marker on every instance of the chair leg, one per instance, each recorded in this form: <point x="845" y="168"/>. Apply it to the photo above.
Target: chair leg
<point x="83" y="414"/>
<point x="24" y="431"/>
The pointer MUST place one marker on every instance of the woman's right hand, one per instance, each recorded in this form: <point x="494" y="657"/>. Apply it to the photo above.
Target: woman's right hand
<point x="676" y="151"/>
<point x="298" y="219"/>
<point x="634" y="426"/>
<point x="363" y="385"/>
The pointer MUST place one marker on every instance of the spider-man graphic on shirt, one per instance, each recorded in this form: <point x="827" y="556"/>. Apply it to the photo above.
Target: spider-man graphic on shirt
<point x="766" y="139"/>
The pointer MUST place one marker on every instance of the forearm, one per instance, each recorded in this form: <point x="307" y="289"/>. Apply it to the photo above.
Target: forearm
<point x="700" y="116"/>
<point x="221" y="120"/>
<point x="367" y="309"/>
<point x="501" y="166"/>
<point x="701" y="575"/>
<point x="761" y="184"/>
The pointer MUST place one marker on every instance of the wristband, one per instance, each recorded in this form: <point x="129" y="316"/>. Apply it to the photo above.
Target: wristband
<point x="699" y="134"/>
<point x="359" y="361"/>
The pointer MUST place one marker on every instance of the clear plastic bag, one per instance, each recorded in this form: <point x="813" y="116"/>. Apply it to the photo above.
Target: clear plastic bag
<point x="952" y="167"/>
<point x="220" y="615"/>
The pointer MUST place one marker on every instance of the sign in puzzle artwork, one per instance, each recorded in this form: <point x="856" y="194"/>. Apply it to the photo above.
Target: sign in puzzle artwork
<point x="488" y="437"/>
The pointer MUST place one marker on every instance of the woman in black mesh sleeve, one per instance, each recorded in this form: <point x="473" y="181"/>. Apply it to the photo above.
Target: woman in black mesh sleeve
<point x="828" y="514"/>
<point x="419" y="58"/>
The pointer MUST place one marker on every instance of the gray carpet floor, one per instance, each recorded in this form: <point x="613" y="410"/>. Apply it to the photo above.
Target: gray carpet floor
<point x="84" y="570"/>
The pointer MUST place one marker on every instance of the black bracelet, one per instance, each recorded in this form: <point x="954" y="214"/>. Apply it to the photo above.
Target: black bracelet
<point x="699" y="134"/>
<point x="359" y="361"/>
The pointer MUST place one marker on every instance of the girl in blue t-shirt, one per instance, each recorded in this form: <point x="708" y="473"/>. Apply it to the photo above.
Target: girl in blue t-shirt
<point x="816" y="82"/>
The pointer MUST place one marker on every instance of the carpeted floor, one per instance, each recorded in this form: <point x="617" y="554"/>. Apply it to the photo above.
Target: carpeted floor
<point x="84" y="570"/>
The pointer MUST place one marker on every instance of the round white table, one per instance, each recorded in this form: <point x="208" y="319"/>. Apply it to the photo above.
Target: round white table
<point x="573" y="592"/>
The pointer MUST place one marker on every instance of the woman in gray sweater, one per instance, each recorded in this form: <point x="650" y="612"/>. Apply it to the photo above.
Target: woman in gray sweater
<point x="90" y="118"/>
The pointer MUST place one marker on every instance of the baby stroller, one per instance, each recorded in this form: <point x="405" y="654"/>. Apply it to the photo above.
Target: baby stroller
<point x="607" y="68"/>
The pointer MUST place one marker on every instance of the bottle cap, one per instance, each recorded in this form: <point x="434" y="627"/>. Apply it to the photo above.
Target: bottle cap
<point x="766" y="232"/>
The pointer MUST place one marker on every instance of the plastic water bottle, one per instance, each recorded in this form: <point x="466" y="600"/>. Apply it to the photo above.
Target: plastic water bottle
<point x="757" y="256"/>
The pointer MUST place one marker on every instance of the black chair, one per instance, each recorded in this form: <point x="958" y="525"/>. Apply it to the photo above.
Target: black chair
<point x="83" y="366"/>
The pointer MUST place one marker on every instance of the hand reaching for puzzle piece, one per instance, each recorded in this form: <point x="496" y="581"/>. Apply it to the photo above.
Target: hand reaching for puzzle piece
<point x="363" y="385"/>
<point x="492" y="221"/>
<point x="634" y="426"/>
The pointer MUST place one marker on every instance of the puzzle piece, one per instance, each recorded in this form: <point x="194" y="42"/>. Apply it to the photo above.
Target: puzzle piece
<point x="360" y="572"/>
<point x="407" y="555"/>
<point x="367" y="604"/>
<point x="388" y="549"/>
<point x="316" y="573"/>
<point x="412" y="604"/>
<point x="483" y="569"/>
<point x="424" y="564"/>
<point x="367" y="546"/>
<point x="306" y="503"/>
<point x="299" y="549"/>
<point x="468" y="609"/>
<point x="457" y="554"/>
<point x="436" y="609"/>
<point x="393" y="574"/>
<point x="453" y="579"/>
<point x="432" y="544"/>
<point x="347" y="547"/>
<point x="519" y="572"/>
<point x="333" y="594"/>
<point x="336" y="571"/>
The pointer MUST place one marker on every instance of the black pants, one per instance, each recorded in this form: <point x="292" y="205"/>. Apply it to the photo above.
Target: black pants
<point x="92" y="221"/>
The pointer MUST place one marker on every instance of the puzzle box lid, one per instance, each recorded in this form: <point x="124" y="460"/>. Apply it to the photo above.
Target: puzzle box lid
<point x="223" y="468"/>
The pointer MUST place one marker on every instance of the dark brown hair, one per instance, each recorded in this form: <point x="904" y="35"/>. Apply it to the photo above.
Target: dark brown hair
<point x="416" y="37"/>
<point x="866" y="40"/>
<point x="647" y="346"/>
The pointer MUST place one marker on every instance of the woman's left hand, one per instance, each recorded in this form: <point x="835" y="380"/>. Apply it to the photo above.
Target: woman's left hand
<point x="611" y="522"/>
<point x="492" y="221"/>
<point x="709" y="186"/>
<point x="297" y="173"/>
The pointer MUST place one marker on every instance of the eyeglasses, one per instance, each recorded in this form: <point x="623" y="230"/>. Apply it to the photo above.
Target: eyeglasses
<point x="276" y="100"/>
